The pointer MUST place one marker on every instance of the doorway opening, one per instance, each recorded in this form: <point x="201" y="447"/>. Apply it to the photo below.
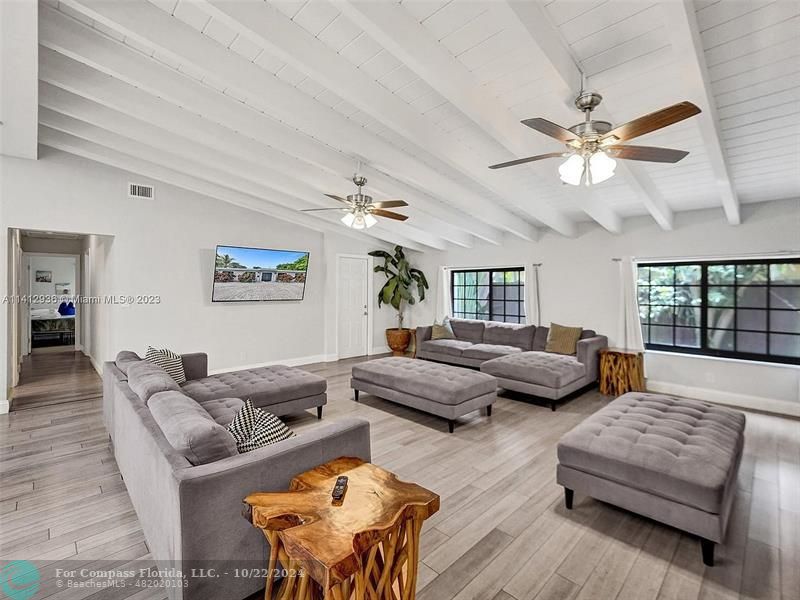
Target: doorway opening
<point x="54" y="333"/>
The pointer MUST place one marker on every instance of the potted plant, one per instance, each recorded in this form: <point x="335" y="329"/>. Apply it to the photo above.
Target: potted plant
<point x="401" y="279"/>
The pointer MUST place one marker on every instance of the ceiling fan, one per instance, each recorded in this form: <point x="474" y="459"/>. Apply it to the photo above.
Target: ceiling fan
<point x="593" y="145"/>
<point x="361" y="210"/>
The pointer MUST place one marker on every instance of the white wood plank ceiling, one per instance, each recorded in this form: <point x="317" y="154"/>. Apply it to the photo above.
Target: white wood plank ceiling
<point x="271" y="104"/>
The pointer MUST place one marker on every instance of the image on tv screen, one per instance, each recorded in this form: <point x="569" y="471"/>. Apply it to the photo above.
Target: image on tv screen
<point x="258" y="274"/>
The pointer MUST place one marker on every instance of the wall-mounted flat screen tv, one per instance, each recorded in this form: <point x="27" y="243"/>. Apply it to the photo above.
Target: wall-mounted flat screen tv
<point x="258" y="274"/>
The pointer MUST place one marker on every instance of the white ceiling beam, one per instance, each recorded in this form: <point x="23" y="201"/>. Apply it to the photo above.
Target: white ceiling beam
<point x="61" y="72"/>
<point x="549" y="42"/>
<point x="66" y="103"/>
<point x="19" y="26"/>
<point x="285" y="39"/>
<point x="681" y="24"/>
<point x="208" y="173"/>
<point x="276" y="98"/>
<point x="394" y="26"/>
<point x="66" y="142"/>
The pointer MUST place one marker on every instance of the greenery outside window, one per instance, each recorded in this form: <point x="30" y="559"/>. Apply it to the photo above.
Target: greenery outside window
<point x="737" y="309"/>
<point x="489" y="294"/>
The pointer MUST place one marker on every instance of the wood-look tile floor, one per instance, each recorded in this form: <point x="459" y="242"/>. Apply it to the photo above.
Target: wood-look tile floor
<point x="502" y="532"/>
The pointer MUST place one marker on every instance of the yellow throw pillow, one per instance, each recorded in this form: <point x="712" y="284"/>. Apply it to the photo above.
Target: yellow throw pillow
<point x="443" y="331"/>
<point x="563" y="340"/>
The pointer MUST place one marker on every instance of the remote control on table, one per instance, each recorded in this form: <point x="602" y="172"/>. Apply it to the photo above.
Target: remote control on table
<point x="340" y="488"/>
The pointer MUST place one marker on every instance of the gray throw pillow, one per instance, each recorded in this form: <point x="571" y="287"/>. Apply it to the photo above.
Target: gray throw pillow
<point x="443" y="331"/>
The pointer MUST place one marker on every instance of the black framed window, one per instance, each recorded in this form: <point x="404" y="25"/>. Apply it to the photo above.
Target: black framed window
<point x="747" y="309"/>
<point x="489" y="294"/>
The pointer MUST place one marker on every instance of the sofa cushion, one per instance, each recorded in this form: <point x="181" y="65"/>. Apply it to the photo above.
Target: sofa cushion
<point x="146" y="379"/>
<point x="222" y="410"/>
<point x="125" y="359"/>
<point x="562" y="339"/>
<point x="451" y="347"/>
<point x="540" y="338"/>
<point x="189" y="429"/>
<point x="488" y="351"/>
<point x="539" y="368"/>
<point x="168" y="360"/>
<point x="253" y="428"/>
<point x="468" y="330"/>
<point x="445" y="384"/>
<point x="509" y="334"/>
<point x="679" y="449"/>
<point x="264" y="385"/>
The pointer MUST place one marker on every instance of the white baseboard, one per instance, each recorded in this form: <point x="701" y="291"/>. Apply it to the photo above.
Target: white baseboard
<point x="289" y="362"/>
<point x="745" y="401"/>
<point x="380" y="350"/>
<point x="5" y="406"/>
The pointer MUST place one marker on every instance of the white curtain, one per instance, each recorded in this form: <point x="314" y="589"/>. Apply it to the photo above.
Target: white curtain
<point x="444" y="305"/>
<point x="630" y="329"/>
<point x="532" y="299"/>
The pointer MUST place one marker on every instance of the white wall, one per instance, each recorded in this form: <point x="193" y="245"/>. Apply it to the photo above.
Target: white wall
<point x="579" y="284"/>
<point x="64" y="269"/>
<point x="165" y="247"/>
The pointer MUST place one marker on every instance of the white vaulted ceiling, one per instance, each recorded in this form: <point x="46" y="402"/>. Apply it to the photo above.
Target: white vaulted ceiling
<point x="271" y="104"/>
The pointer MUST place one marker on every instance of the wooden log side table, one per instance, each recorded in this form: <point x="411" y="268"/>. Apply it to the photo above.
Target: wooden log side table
<point x="621" y="371"/>
<point x="366" y="547"/>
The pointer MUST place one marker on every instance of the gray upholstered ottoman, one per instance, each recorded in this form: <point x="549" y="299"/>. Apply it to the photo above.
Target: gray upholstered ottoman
<point x="670" y="459"/>
<point x="442" y="390"/>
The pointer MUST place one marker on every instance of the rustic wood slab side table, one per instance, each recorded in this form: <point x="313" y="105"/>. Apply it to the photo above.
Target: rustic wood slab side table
<point x="366" y="547"/>
<point x="621" y="371"/>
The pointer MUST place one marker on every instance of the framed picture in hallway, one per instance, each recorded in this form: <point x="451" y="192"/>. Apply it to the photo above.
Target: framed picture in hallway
<point x="44" y="276"/>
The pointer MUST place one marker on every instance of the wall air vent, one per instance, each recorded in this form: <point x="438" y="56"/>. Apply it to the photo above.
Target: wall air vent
<point x="137" y="190"/>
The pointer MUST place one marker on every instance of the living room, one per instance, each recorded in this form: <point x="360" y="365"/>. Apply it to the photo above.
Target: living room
<point x="268" y="199"/>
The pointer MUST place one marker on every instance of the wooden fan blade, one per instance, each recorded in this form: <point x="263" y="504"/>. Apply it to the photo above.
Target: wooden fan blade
<point x="553" y="130"/>
<point x="319" y="209"/>
<point x="648" y="153"/>
<point x="651" y="122"/>
<point x="522" y="161"/>
<point x="339" y="198"/>
<point x="388" y="214"/>
<point x="389" y="204"/>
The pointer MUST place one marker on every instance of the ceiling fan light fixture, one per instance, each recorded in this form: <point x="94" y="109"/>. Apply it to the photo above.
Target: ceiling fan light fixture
<point x="601" y="167"/>
<point x="348" y="219"/>
<point x="369" y="220"/>
<point x="571" y="170"/>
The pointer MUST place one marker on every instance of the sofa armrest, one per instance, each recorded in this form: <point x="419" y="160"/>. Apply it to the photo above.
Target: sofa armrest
<point x="215" y="489"/>
<point x="588" y="353"/>
<point x="195" y="365"/>
<point x="423" y="334"/>
<point x="210" y="530"/>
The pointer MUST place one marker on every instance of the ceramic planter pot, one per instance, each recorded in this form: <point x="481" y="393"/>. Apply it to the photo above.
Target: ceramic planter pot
<point x="398" y="340"/>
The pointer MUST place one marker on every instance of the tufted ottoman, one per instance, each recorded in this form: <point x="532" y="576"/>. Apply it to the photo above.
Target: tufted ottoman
<point x="670" y="459"/>
<point x="280" y="389"/>
<point x="442" y="390"/>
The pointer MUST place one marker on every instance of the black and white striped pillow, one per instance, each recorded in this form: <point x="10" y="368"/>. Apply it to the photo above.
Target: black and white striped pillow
<point x="254" y="428"/>
<point x="167" y="360"/>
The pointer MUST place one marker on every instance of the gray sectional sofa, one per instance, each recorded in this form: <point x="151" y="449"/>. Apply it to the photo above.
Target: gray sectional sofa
<point x="187" y="481"/>
<point x="515" y="355"/>
<point x="281" y="389"/>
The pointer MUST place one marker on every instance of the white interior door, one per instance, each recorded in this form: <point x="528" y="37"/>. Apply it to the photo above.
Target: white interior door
<point x="353" y="317"/>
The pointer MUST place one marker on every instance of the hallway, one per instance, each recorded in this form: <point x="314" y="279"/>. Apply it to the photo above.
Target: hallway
<point x="55" y="377"/>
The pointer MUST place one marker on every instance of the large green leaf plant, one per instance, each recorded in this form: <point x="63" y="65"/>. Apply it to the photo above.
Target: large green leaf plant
<point x="401" y="279"/>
